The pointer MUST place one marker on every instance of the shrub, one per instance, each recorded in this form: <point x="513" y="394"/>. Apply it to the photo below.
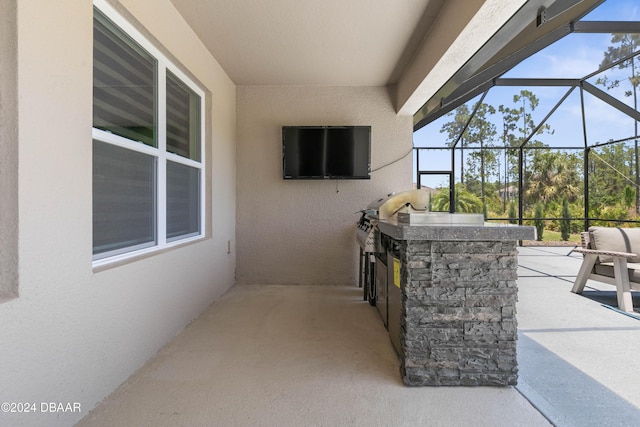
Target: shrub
<point x="512" y="213"/>
<point x="539" y="223"/>
<point x="629" y="196"/>
<point x="565" y="222"/>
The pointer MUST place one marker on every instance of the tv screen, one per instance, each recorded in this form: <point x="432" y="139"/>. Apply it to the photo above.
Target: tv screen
<point x="326" y="152"/>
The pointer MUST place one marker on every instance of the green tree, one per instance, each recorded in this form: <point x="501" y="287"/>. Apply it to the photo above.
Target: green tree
<point x="565" y="222"/>
<point x="527" y="126"/>
<point x="610" y="173"/>
<point x="519" y="131"/>
<point x="475" y="135"/>
<point x="510" y="118"/>
<point x="553" y="176"/>
<point x="512" y="213"/>
<point x="538" y="222"/>
<point x="454" y="130"/>
<point x="629" y="196"/>
<point x="482" y="132"/>
<point x="623" y="46"/>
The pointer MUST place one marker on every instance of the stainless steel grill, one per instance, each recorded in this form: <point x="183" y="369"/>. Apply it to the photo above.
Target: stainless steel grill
<point x="368" y="234"/>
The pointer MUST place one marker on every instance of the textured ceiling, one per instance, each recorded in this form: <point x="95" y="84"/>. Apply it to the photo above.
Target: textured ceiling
<point x="311" y="42"/>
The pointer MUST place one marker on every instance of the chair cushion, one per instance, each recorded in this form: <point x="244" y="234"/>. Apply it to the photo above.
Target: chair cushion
<point x="607" y="270"/>
<point x="615" y="239"/>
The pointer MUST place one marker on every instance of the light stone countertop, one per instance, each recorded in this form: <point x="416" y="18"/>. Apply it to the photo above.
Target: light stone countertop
<point x="456" y="232"/>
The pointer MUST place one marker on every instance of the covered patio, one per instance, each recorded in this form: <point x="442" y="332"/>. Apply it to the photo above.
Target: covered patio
<point x="217" y="292"/>
<point x="321" y="356"/>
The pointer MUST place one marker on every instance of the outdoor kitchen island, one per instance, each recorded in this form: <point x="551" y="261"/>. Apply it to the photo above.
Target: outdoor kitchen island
<point x="455" y="287"/>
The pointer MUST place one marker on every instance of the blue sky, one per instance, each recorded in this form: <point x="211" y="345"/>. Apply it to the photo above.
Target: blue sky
<point x="576" y="55"/>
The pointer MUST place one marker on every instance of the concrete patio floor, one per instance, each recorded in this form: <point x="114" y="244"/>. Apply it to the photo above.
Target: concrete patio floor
<point x="297" y="355"/>
<point x="577" y="356"/>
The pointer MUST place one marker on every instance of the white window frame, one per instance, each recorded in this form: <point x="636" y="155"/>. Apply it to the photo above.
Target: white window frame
<point x="160" y="152"/>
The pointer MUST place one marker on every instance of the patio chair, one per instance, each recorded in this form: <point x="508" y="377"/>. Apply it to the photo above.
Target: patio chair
<point x="610" y="255"/>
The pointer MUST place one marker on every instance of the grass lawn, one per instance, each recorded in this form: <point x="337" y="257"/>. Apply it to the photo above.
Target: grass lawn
<point x="553" y="238"/>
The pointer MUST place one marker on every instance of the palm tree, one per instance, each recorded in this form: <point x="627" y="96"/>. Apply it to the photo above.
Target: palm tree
<point x="552" y="178"/>
<point x="466" y="201"/>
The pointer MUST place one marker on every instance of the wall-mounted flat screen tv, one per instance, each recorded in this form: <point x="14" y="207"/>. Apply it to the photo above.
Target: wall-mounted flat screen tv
<point x="326" y="152"/>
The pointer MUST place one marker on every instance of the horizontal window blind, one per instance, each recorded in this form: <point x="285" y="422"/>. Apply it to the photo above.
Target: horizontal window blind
<point x="123" y="199"/>
<point x="124" y="85"/>
<point x="183" y="200"/>
<point x="183" y="112"/>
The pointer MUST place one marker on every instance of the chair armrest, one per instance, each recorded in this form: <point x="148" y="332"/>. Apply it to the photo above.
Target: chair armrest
<point x="585" y="239"/>
<point x="608" y="253"/>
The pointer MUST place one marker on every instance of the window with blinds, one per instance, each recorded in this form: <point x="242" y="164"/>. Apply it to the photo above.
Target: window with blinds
<point x="124" y="84"/>
<point x="147" y="144"/>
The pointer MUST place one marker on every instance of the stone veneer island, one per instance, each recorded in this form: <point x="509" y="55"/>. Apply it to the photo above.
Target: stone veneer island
<point x="458" y="302"/>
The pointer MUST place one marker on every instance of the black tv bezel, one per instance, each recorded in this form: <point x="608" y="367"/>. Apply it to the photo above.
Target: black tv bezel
<point x="327" y="177"/>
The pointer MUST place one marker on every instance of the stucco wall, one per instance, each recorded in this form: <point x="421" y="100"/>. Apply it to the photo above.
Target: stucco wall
<point x="303" y="232"/>
<point x="8" y="152"/>
<point x="74" y="335"/>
